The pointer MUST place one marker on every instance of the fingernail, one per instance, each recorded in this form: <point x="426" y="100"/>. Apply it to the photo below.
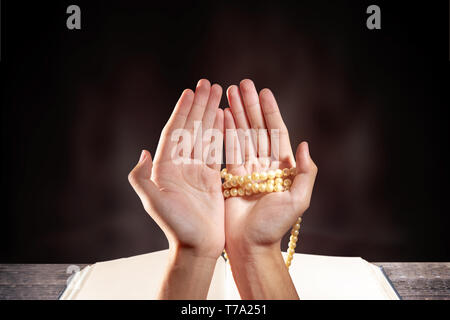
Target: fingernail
<point x="143" y="156"/>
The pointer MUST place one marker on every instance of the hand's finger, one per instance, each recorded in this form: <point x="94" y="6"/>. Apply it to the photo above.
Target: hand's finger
<point x="208" y="121"/>
<point x="237" y="107"/>
<point x="198" y="108"/>
<point x="233" y="154"/>
<point x="139" y="179"/>
<point x="176" y="121"/>
<point x="247" y="140"/>
<point x="255" y="115"/>
<point x="303" y="184"/>
<point x="251" y="103"/>
<point x="274" y="121"/>
<point x="212" y="106"/>
<point x="215" y="148"/>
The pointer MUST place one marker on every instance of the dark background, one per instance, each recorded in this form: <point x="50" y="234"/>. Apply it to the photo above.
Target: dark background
<point x="78" y="106"/>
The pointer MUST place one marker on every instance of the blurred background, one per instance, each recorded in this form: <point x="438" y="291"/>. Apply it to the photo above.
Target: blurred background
<point x="78" y="107"/>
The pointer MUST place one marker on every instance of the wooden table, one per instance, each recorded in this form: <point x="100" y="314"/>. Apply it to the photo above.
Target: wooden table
<point x="46" y="281"/>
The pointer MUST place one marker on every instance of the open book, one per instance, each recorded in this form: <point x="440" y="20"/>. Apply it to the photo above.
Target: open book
<point x="314" y="276"/>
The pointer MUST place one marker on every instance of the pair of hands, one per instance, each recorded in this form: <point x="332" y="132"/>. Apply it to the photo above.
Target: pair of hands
<point x="186" y="199"/>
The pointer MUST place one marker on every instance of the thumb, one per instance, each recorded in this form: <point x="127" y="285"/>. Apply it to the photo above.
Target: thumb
<point x="303" y="183"/>
<point x="139" y="179"/>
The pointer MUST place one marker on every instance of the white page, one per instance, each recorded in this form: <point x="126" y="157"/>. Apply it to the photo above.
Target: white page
<point x="137" y="277"/>
<point x="330" y="278"/>
<point x="336" y="278"/>
<point x="314" y="276"/>
<point x="384" y="282"/>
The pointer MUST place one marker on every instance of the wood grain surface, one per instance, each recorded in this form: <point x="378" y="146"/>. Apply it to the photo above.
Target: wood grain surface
<point x="427" y="281"/>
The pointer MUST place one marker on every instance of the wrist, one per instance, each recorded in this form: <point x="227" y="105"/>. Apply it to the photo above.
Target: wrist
<point x="205" y="249"/>
<point x="188" y="274"/>
<point x="255" y="258"/>
<point x="260" y="272"/>
<point x="182" y="253"/>
<point x="186" y="259"/>
<point x="247" y="251"/>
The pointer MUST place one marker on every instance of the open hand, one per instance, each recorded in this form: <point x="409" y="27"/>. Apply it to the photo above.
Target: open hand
<point x="185" y="197"/>
<point x="263" y="219"/>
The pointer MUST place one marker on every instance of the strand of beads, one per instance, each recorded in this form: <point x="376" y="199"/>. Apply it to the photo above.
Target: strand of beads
<point x="258" y="182"/>
<point x="293" y="241"/>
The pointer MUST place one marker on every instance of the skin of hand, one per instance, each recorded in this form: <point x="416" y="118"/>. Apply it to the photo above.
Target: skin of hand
<point x="254" y="225"/>
<point x="185" y="199"/>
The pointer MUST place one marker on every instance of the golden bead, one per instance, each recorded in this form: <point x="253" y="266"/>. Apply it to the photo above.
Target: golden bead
<point x="248" y="186"/>
<point x="262" y="187"/>
<point x="271" y="174"/>
<point x="286" y="172"/>
<point x="270" y="181"/>
<point x="263" y="176"/>
<point x="233" y="192"/>
<point x="278" y="181"/>
<point x="287" y="182"/>
<point x="278" y="173"/>
<point x="223" y="173"/>
<point x="255" y="176"/>
<point x="248" y="178"/>
<point x="241" y="192"/>
<point x="269" y="187"/>
<point x="226" y="193"/>
<point x="278" y="188"/>
<point x="234" y="182"/>
<point x="248" y="192"/>
<point x="293" y="241"/>
<point x="228" y="176"/>
<point x="293" y="171"/>
<point x="255" y="187"/>
<point x="240" y="180"/>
